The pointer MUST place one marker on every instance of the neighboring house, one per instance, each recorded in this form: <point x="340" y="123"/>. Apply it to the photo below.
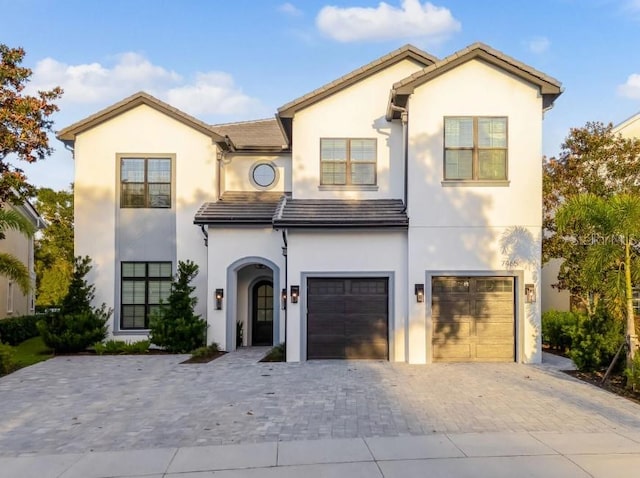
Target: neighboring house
<point x="555" y="299"/>
<point x="394" y="213"/>
<point x="13" y="302"/>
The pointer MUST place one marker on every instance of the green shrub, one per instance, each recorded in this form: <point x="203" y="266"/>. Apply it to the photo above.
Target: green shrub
<point x="595" y="341"/>
<point x="7" y="360"/>
<point x="174" y="326"/>
<point x="18" y="329"/>
<point x="633" y="373"/>
<point x="556" y="327"/>
<point x="239" y="333"/>
<point x="206" y="352"/>
<point x="276" y="354"/>
<point x="120" y="347"/>
<point x="75" y="332"/>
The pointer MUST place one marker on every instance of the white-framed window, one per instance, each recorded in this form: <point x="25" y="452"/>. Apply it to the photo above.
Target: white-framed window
<point x="263" y="175"/>
<point x="348" y="161"/>
<point x="475" y="148"/>
<point x="10" y="297"/>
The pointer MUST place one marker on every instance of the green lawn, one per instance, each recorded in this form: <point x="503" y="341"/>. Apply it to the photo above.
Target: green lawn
<point x="31" y="351"/>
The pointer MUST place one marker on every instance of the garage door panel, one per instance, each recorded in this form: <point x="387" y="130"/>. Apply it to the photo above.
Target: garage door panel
<point x="347" y="318"/>
<point x="442" y="329"/>
<point x="473" y="319"/>
<point x="451" y="308"/>
<point x="452" y="351"/>
<point x="491" y="307"/>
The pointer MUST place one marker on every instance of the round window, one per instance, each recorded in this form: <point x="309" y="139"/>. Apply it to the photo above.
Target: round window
<point x="264" y="175"/>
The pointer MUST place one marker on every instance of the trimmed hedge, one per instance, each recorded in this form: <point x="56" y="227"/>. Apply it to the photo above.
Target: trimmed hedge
<point x="556" y="328"/>
<point x="7" y="360"/>
<point x="18" y="329"/>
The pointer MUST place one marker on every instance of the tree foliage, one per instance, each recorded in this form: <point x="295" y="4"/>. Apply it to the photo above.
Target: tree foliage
<point x="54" y="248"/>
<point x="593" y="160"/>
<point x="610" y="258"/>
<point x="175" y="326"/>
<point x="25" y="121"/>
<point x="10" y="266"/>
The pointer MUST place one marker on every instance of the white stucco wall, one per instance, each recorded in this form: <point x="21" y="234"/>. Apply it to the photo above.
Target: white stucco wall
<point x="630" y="128"/>
<point x="552" y="298"/>
<point x="348" y="254"/>
<point x="475" y="228"/>
<point x="357" y="111"/>
<point x="236" y="171"/>
<point x="142" y="130"/>
<point x="230" y="248"/>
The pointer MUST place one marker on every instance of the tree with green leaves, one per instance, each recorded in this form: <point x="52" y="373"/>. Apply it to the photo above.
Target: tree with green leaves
<point x="10" y="266"/>
<point x="175" y="326"/>
<point x="594" y="160"/>
<point x="54" y="248"/>
<point x="610" y="231"/>
<point x="25" y="121"/>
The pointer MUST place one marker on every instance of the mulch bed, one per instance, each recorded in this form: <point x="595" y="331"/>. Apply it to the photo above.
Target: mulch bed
<point x="206" y="359"/>
<point x="615" y="383"/>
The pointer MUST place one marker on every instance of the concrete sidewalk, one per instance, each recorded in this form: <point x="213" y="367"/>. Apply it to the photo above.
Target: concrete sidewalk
<point x="478" y="455"/>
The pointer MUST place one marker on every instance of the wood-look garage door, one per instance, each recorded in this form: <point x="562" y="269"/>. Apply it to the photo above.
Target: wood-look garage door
<point x="473" y="319"/>
<point x="347" y="318"/>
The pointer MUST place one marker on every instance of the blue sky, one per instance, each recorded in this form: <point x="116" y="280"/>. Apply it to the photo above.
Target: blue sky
<point x="231" y="60"/>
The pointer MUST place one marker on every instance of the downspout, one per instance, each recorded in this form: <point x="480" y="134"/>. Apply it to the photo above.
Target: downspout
<point x="405" y="150"/>
<point x="286" y="279"/>
<point x="205" y="234"/>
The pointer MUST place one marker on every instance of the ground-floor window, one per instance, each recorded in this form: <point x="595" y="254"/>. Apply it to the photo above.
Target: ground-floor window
<point x="144" y="286"/>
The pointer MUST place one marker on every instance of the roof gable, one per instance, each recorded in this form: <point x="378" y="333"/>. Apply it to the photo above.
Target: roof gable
<point x="628" y="123"/>
<point x="549" y="87"/>
<point x="69" y="133"/>
<point x="396" y="56"/>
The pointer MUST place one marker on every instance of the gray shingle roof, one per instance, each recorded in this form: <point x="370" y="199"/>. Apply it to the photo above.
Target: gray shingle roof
<point x="240" y="208"/>
<point x="335" y="213"/>
<point x="258" y="134"/>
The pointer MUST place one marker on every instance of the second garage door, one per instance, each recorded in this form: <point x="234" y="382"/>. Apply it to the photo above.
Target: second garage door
<point x="473" y="319"/>
<point x="347" y="318"/>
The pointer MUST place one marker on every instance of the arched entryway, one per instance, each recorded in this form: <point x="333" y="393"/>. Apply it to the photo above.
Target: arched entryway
<point x="251" y="302"/>
<point x="262" y="313"/>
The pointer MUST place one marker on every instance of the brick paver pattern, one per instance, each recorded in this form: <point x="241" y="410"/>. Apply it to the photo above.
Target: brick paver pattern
<point x="79" y="404"/>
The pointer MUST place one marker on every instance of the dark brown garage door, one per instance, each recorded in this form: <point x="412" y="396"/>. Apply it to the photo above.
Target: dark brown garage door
<point x="473" y="319"/>
<point x="347" y="318"/>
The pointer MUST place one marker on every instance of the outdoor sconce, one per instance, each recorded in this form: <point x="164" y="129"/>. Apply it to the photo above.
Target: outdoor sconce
<point x="219" y="296"/>
<point x="284" y="298"/>
<point x="295" y="293"/>
<point x="419" y="291"/>
<point x="529" y="293"/>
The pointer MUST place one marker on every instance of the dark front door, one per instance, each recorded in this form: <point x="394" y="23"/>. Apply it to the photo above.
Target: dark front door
<point x="262" y="318"/>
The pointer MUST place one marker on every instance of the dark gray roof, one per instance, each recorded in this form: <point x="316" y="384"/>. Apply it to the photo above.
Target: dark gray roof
<point x="258" y="134"/>
<point x="335" y="213"/>
<point x="240" y="208"/>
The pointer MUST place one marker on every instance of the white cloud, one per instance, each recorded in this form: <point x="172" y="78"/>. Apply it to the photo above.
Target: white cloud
<point x="538" y="45"/>
<point x="385" y="22"/>
<point x="631" y="89"/>
<point x="210" y="93"/>
<point x="290" y="9"/>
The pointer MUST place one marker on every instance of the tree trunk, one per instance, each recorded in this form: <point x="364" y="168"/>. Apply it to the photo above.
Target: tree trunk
<point x="631" y="326"/>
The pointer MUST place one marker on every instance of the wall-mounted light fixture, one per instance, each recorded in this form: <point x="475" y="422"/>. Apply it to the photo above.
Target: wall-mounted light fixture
<point x="295" y="293"/>
<point x="419" y="291"/>
<point x="529" y="293"/>
<point x="219" y="296"/>
<point x="283" y="296"/>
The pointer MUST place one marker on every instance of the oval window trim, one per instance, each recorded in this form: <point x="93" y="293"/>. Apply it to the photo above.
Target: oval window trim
<point x="266" y="177"/>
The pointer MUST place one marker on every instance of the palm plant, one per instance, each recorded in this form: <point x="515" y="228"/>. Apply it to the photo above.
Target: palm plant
<point x="10" y="266"/>
<point x="610" y="229"/>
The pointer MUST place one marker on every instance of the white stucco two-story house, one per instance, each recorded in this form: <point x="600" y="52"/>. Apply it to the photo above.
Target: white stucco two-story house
<point x="394" y="213"/>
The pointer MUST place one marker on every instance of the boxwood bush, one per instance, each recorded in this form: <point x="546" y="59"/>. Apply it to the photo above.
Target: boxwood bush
<point x="556" y="328"/>
<point x="16" y="330"/>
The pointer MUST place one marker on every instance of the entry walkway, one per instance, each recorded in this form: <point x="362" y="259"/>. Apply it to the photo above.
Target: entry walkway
<point x="477" y="455"/>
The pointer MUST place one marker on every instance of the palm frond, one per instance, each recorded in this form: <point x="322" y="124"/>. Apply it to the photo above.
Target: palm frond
<point x="16" y="271"/>
<point x="13" y="220"/>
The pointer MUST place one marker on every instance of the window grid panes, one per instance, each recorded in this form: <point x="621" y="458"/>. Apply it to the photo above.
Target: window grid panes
<point x="475" y="148"/>
<point x="145" y="182"/>
<point x="145" y="285"/>
<point x="345" y="161"/>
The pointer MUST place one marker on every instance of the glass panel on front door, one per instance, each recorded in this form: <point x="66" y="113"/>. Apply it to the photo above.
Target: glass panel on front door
<point x="262" y="320"/>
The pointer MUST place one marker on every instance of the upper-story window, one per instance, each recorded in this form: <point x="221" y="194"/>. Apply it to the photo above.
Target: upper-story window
<point x="475" y="148"/>
<point x="145" y="182"/>
<point x="347" y="162"/>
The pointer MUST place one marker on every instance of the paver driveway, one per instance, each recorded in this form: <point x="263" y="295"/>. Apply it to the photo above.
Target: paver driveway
<point x="78" y="404"/>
